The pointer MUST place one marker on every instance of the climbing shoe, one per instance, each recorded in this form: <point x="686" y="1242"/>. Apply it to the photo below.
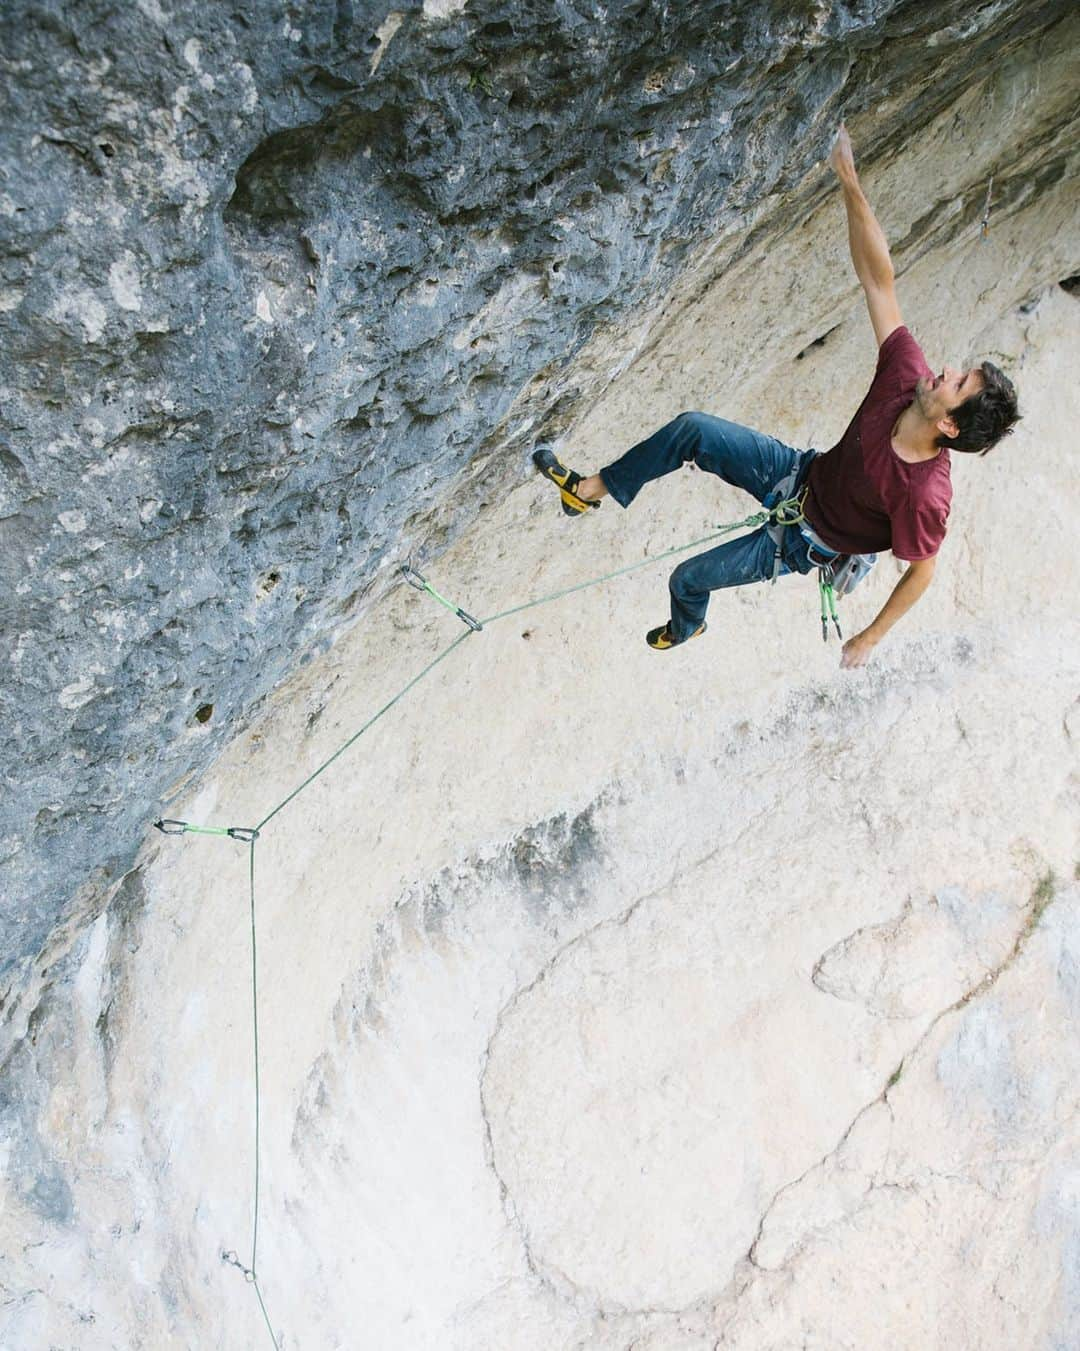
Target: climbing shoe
<point x="660" y="639"/>
<point x="564" y="479"/>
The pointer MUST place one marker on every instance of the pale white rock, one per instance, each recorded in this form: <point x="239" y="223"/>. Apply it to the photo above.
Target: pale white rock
<point x="125" y="283"/>
<point x="923" y="959"/>
<point x="250" y="96"/>
<point x="966" y="1235"/>
<point x="443" y="9"/>
<point x="385" y="33"/>
<point x="79" y="692"/>
<point x="153" y="10"/>
<point x="826" y="1194"/>
<point x="84" y="307"/>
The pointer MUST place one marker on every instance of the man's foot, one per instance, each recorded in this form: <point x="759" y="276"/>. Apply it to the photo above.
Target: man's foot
<point x="564" y="479"/>
<point x="660" y="639"/>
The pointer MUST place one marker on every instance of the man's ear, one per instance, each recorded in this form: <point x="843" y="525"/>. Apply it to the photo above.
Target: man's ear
<point x="947" y="427"/>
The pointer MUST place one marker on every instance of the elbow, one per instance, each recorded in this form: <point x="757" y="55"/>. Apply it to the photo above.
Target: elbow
<point x="922" y="572"/>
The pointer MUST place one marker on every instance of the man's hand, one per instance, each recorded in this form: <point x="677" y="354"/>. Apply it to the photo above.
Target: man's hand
<point x="905" y="593"/>
<point x="857" y="650"/>
<point x="841" y="158"/>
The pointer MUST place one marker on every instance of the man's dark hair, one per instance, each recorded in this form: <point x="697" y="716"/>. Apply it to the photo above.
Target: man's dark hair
<point x="987" y="416"/>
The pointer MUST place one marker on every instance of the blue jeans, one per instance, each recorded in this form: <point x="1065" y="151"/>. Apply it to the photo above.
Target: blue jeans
<point x="744" y="458"/>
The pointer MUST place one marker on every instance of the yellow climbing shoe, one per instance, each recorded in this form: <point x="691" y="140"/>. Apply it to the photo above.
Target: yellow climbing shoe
<point x="564" y="479"/>
<point x="660" y="639"/>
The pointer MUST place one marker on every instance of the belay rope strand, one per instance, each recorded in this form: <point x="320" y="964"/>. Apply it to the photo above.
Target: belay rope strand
<point x="251" y="1273"/>
<point x="782" y="513"/>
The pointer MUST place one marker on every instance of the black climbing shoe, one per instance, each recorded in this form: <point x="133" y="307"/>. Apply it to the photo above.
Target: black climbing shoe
<point x="564" y="479"/>
<point x="660" y="639"/>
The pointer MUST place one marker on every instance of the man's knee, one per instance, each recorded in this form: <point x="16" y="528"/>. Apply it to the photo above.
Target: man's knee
<point x="689" y="428"/>
<point x="687" y="580"/>
<point x="692" y="422"/>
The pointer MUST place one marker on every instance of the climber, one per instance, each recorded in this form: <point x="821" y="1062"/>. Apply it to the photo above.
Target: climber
<point x="884" y="485"/>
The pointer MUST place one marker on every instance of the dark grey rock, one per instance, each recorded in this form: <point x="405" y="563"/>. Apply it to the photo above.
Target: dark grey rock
<point x="271" y="278"/>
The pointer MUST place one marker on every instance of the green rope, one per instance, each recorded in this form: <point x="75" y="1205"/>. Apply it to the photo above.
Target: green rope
<point x="266" y="1316"/>
<point x="370" y="723"/>
<point x="255" y="1038"/>
<point x="255" y="1027"/>
<point x="421" y="584"/>
<point x="251" y="834"/>
<point x="759" y="519"/>
<point x="250" y="1273"/>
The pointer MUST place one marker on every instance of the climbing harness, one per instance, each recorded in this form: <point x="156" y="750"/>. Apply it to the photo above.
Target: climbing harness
<point x="786" y="513"/>
<point x="782" y="509"/>
<point x="838" y="574"/>
<point x="784" y="504"/>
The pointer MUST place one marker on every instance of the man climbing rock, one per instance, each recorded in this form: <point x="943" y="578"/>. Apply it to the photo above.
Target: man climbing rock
<point x="884" y="485"/>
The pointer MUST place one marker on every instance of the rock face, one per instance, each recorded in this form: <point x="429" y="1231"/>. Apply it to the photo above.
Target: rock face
<point x="288" y="292"/>
<point x="718" y="1000"/>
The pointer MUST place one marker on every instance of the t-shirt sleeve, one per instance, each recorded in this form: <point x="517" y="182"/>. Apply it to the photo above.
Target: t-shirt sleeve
<point x="900" y="359"/>
<point x="919" y="528"/>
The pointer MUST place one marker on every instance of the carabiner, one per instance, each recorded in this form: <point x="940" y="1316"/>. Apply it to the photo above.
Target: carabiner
<point x="414" y="578"/>
<point x="246" y="834"/>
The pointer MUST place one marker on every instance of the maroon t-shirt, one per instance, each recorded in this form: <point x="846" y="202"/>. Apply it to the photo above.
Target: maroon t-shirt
<point x="862" y="498"/>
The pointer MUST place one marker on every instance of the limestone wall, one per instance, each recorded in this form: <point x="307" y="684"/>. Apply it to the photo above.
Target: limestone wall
<point x="288" y="291"/>
<point x="608" y="999"/>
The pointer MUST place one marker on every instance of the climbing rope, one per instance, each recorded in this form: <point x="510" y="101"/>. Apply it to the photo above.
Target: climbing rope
<point x="784" y="513"/>
<point x="250" y="1273"/>
<point x="780" y="512"/>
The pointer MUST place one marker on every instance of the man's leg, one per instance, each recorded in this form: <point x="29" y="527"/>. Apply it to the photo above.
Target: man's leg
<point x="750" y="558"/>
<point x="743" y="457"/>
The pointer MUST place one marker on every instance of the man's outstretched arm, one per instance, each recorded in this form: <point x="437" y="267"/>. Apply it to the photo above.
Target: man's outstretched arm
<point x="905" y="593"/>
<point x="869" y="250"/>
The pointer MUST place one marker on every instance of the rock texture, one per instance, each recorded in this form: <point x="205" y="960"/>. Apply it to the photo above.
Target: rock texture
<point x="723" y="1000"/>
<point x="287" y="292"/>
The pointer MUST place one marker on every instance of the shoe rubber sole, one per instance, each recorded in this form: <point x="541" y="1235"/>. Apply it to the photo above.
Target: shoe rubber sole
<point x="660" y="639"/>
